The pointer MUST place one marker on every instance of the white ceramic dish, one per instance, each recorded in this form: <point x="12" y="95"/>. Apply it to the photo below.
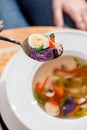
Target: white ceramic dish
<point x="17" y="104"/>
<point x="5" y="55"/>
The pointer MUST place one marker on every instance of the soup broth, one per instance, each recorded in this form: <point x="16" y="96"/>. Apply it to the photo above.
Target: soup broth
<point x="60" y="87"/>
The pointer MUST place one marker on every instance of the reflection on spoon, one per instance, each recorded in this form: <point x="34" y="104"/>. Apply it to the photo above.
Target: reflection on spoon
<point x="39" y="47"/>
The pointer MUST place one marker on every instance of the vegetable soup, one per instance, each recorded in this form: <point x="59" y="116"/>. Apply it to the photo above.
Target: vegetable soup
<point x="60" y="87"/>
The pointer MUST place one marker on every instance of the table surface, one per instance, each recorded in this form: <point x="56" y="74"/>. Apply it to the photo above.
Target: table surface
<point x="22" y="33"/>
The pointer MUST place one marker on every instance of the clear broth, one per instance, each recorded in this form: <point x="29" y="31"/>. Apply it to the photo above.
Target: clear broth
<point x="65" y="89"/>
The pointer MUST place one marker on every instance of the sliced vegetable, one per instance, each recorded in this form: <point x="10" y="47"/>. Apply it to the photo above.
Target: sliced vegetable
<point x="44" y="84"/>
<point x="52" y="108"/>
<point x="81" y="100"/>
<point x="55" y="52"/>
<point x="69" y="106"/>
<point x="40" y="49"/>
<point x="82" y="112"/>
<point x="74" y="111"/>
<point x="44" y="55"/>
<point x="59" y="48"/>
<point x="52" y="40"/>
<point x="53" y="102"/>
<point x="59" y="91"/>
<point x="38" y="86"/>
<point x="48" y="53"/>
<point x="63" y="101"/>
<point x="39" y="98"/>
<point x="50" y="93"/>
<point x="35" y="55"/>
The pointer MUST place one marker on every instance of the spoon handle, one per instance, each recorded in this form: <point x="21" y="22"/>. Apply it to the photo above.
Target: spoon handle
<point x="9" y="40"/>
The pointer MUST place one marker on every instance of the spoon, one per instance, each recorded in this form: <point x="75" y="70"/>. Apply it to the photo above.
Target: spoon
<point x="32" y="53"/>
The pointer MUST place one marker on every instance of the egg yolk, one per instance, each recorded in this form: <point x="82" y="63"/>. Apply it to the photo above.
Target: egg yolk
<point x="37" y="41"/>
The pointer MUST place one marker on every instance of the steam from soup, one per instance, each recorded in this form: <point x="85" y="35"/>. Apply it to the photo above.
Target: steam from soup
<point x="60" y="87"/>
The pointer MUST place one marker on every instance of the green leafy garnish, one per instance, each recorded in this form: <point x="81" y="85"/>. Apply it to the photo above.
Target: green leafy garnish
<point x="80" y="65"/>
<point x="40" y="49"/>
<point x="39" y="98"/>
<point x="63" y="102"/>
<point x="52" y="35"/>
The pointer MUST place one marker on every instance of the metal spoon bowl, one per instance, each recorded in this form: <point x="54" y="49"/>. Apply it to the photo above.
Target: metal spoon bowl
<point x="25" y="46"/>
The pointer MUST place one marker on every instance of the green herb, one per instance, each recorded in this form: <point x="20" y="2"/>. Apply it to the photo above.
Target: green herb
<point x="39" y="98"/>
<point x="80" y="65"/>
<point x="52" y="35"/>
<point x="64" y="101"/>
<point x="40" y="49"/>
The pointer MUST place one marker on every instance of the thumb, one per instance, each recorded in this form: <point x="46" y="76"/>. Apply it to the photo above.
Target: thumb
<point x="58" y="17"/>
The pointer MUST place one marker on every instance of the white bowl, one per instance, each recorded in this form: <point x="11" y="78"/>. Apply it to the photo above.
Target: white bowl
<point x="18" y="107"/>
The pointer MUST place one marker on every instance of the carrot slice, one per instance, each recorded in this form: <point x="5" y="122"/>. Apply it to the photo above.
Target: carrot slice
<point x="52" y="41"/>
<point x="51" y="44"/>
<point x="72" y="113"/>
<point x="37" y="87"/>
<point x="40" y="87"/>
<point x="53" y="102"/>
<point x="44" y="83"/>
<point x="59" y="91"/>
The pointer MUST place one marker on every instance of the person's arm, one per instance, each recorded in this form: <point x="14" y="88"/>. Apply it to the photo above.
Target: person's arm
<point x="76" y="9"/>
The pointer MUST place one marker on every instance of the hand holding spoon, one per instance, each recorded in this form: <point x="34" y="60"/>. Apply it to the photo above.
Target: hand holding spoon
<point x="39" y="47"/>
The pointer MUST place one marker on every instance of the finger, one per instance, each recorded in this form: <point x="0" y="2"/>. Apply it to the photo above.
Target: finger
<point x="82" y="24"/>
<point x="79" y="21"/>
<point x="85" y="23"/>
<point x="58" y="17"/>
<point x="85" y="18"/>
<point x="79" y="17"/>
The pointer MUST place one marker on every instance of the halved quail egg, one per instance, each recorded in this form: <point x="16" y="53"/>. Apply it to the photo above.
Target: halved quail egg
<point x="38" y="40"/>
